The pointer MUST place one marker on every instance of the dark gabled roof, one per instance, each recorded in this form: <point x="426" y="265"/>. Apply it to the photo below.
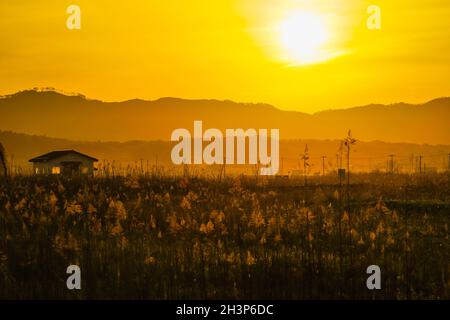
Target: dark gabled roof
<point x="56" y="154"/>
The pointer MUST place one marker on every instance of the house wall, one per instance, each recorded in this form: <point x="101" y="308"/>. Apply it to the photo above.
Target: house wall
<point x="40" y="168"/>
<point x="46" y="168"/>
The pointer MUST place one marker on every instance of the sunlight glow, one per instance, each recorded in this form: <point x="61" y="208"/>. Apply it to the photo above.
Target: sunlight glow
<point x="303" y="37"/>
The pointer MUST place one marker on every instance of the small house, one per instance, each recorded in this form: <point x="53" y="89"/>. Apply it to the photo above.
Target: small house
<point x="66" y="162"/>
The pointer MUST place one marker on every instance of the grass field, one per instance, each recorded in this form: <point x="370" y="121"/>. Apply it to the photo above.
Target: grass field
<point x="166" y="237"/>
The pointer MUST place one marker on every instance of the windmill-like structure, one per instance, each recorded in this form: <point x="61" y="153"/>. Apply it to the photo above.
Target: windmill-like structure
<point x="305" y="158"/>
<point x="349" y="141"/>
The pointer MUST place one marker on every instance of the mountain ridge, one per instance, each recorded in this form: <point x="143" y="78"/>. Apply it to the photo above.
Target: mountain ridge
<point x="443" y="99"/>
<point x="76" y="117"/>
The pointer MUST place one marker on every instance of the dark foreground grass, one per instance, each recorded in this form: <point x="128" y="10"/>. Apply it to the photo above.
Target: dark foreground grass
<point x="173" y="238"/>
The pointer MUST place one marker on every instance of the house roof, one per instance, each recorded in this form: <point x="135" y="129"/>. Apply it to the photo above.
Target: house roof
<point x="57" y="154"/>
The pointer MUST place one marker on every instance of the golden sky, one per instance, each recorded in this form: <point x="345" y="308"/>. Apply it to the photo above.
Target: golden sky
<point x="241" y="50"/>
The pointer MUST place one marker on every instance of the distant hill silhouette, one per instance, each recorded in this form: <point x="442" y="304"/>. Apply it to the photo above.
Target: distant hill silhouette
<point x="78" y="118"/>
<point x="365" y="155"/>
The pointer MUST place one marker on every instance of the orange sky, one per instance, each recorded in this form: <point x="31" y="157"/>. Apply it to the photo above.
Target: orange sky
<point x="228" y="49"/>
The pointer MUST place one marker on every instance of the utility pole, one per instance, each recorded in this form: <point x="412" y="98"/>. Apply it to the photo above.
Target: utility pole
<point x="420" y="165"/>
<point x="341" y="150"/>
<point x="258" y="165"/>
<point x="185" y="170"/>
<point x="113" y="168"/>
<point x="224" y="167"/>
<point x="323" y="165"/>
<point x="222" y="170"/>
<point x="416" y="164"/>
<point x="391" y="163"/>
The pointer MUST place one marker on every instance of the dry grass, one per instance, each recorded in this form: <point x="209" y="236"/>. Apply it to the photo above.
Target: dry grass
<point x="161" y="237"/>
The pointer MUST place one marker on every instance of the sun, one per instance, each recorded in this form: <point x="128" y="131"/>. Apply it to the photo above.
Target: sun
<point x="303" y="38"/>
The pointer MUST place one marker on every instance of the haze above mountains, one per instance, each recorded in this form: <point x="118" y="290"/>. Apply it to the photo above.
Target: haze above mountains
<point x="74" y="117"/>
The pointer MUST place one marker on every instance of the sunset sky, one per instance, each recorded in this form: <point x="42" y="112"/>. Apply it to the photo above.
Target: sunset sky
<point x="243" y="50"/>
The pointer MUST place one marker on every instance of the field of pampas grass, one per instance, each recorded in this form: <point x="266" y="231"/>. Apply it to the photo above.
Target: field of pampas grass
<point x="195" y="238"/>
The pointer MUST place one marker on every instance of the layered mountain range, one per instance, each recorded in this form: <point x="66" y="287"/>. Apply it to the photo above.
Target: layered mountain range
<point x="75" y="117"/>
